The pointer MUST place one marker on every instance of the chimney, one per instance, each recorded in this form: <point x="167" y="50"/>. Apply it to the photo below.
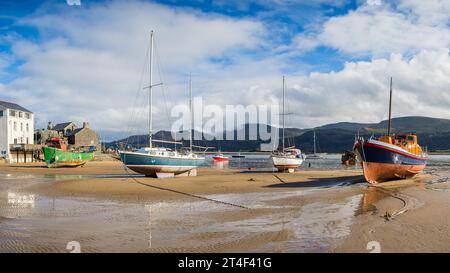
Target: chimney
<point x="86" y="125"/>
<point x="49" y="125"/>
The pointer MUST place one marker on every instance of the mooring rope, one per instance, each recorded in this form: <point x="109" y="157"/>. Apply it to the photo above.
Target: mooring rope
<point x="389" y="216"/>
<point x="281" y="180"/>
<point x="193" y="195"/>
<point x="183" y="193"/>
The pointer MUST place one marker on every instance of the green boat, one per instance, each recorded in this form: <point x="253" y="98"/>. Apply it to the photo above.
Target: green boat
<point x="57" y="156"/>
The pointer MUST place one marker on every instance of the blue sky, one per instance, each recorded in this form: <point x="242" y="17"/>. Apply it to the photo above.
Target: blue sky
<point x="337" y="56"/>
<point x="292" y="17"/>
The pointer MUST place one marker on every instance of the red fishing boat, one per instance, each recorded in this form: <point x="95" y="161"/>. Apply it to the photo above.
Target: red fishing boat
<point x="391" y="156"/>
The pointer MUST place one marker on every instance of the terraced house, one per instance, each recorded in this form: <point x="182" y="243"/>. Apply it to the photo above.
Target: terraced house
<point x="16" y="127"/>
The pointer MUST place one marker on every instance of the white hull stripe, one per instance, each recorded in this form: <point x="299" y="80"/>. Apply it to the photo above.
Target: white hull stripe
<point x="390" y="146"/>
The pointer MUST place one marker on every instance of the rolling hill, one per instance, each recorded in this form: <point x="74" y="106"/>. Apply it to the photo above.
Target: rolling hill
<point x="433" y="133"/>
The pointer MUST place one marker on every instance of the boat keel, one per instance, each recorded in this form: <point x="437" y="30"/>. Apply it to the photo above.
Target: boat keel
<point x="172" y="175"/>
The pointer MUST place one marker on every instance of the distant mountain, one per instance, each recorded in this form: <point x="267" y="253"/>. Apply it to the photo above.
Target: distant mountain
<point x="399" y="125"/>
<point x="350" y="126"/>
<point x="433" y="133"/>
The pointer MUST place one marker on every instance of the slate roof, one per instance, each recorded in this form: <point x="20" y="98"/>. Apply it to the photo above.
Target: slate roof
<point x="76" y="131"/>
<point x="10" y="105"/>
<point x="61" y="126"/>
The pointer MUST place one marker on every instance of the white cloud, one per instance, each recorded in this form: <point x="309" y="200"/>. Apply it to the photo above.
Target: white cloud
<point x="430" y="12"/>
<point x="360" y="91"/>
<point x="381" y="29"/>
<point x="87" y="65"/>
<point x="89" y="62"/>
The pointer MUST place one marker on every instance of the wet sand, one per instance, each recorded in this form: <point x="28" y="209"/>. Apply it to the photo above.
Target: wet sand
<point x="109" y="210"/>
<point x="423" y="224"/>
<point x="96" y="180"/>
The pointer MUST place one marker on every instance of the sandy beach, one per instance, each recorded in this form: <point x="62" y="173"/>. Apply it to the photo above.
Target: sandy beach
<point x="107" y="209"/>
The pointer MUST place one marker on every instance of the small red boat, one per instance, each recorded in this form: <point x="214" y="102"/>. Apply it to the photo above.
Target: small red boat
<point x="220" y="157"/>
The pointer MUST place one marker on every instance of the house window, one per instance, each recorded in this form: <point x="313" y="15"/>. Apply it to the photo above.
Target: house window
<point x="28" y="128"/>
<point x="1" y="113"/>
<point x="27" y="141"/>
<point x="12" y="113"/>
<point x="15" y="141"/>
<point x="20" y="115"/>
<point x="21" y="127"/>
<point x="15" y="126"/>
<point x="27" y="115"/>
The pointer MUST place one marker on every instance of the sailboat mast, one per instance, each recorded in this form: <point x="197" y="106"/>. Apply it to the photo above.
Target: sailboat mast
<point x="150" y="93"/>
<point x="314" y="141"/>
<point x="390" y="110"/>
<point x="283" y="110"/>
<point x="190" y="111"/>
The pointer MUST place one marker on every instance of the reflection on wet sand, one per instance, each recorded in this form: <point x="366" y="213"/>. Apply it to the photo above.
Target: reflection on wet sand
<point x="221" y="164"/>
<point x="371" y="195"/>
<point x="310" y="211"/>
<point x="293" y="220"/>
<point x="16" y="205"/>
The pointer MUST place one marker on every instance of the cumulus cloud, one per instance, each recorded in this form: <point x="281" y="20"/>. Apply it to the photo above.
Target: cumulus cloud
<point x="360" y="91"/>
<point x="431" y="12"/>
<point x="87" y="64"/>
<point x="378" y="28"/>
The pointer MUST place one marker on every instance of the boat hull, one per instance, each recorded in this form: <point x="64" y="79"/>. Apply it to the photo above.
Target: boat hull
<point x="221" y="158"/>
<point x="314" y="156"/>
<point x="57" y="158"/>
<point x="158" y="166"/>
<point x="286" y="163"/>
<point x="383" y="162"/>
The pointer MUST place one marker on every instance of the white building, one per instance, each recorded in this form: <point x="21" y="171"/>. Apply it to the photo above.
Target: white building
<point x="16" y="127"/>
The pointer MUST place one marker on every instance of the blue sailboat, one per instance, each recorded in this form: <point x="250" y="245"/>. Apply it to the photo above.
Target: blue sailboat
<point x="162" y="162"/>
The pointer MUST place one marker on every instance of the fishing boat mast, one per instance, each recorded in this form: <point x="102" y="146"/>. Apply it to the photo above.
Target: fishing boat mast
<point x="150" y="95"/>
<point x="390" y="110"/>
<point x="283" y="111"/>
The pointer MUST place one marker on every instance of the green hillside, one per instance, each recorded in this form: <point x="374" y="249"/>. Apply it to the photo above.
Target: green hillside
<point x="433" y="133"/>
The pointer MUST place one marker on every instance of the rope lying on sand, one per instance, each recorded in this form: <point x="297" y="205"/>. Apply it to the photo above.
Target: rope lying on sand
<point x="408" y="202"/>
<point x="281" y="180"/>
<point x="191" y="195"/>
<point x="184" y="193"/>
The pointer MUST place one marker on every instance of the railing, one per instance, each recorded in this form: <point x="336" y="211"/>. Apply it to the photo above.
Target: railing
<point x="24" y="147"/>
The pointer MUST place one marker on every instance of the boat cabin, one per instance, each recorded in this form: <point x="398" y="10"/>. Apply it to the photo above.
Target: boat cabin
<point x="407" y="142"/>
<point x="57" y="143"/>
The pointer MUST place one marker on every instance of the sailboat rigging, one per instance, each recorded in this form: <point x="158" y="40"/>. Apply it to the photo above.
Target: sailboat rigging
<point x="315" y="155"/>
<point x="158" y="161"/>
<point x="286" y="159"/>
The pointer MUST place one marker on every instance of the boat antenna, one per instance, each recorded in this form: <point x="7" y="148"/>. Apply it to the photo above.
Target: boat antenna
<point x="390" y="110"/>
<point x="283" y="110"/>
<point x="190" y="111"/>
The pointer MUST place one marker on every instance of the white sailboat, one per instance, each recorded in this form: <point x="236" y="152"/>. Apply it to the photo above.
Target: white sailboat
<point x="286" y="159"/>
<point x="315" y="155"/>
<point x="162" y="162"/>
